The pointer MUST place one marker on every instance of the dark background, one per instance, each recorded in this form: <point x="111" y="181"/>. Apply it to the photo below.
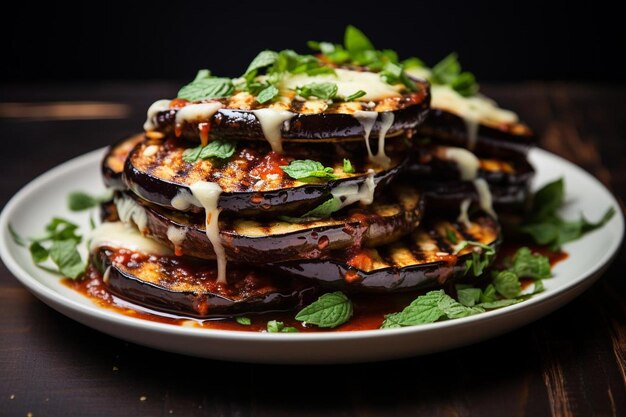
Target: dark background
<point x="503" y="41"/>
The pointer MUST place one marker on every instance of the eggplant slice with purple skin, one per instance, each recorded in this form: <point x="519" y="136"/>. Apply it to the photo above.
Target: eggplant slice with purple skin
<point x="112" y="166"/>
<point x="313" y="120"/>
<point x="505" y="140"/>
<point x="425" y="259"/>
<point x="251" y="179"/>
<point x="260" y="242"/>
<point x="440" y="179"/>
<point x="188" y="287"/>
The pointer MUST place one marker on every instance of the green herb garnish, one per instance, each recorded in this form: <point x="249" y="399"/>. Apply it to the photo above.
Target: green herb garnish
<point x="267" y="94"/>
<point x="547" y="227"/>
<point x="330" y="310"/>
<point x="356" y="95"/>
<point x="306" y="168"/>
<point x="205" y="86"/>
<point x="274" y="326"/>
<point x="244" y="321"/>
<point x="221" y="149"/>
<point x="78" y="200"/>
<point x="348" y="168"/>
<point x="324" y="91"/>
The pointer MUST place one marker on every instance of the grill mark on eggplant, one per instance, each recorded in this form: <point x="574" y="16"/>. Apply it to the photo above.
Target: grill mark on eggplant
<point x="252" y="181"/>
<point x="431" y="268"/>
<point x="261" y="242"/>
<point x="176" y="285"/>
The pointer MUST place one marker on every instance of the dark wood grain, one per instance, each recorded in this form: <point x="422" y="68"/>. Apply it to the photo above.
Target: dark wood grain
<point x="570" y="363"/>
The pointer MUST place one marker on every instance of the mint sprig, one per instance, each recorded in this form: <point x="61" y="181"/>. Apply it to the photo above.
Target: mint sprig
<point x="330" y="310"/>
<point x="307" y="168"/>
<point x="546" y="226"/>
<point x="79" y="200"/>
<point x="221" y="149"/>
<point x="205" y="87"/>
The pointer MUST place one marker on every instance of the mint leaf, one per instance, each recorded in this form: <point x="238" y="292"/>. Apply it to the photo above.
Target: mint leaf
<point x="356" y="95"/>
<point x="262" y="60"/>
<point x="221" y="149"/>
<point x="244" y="321"/>
<point x="547" y="200"/>
<point x="488" y="295"/>
<point x="507" y="284"/>
<point x="527" y="265"/>
<point x="78" y="200"/>
<point x="267" y="94"/>
<point x="482" y="255"/>
<point x="307" y="168"/>
<point x="274" y="326"/>
<point x="204" y="87"/>
<point x="451" y="236"/>
<point x="324" y="210"/>
<point x="355" y="41"/>
<point x="468" y="296"/>
<point x="38" y="253"/>
<point x="413" y="62"/>
<point x="448" y="72"/>
<point x="330" y="310"/>
<point x="347" y="166"/>
<point x="64" y="254"/>
<point x="324" y="91"/>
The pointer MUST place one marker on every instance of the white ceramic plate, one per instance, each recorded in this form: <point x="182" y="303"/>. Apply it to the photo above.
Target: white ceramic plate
<point x="31" y="208"/>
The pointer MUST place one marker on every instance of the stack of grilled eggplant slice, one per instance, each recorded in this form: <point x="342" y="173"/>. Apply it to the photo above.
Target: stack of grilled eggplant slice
<point x="234" y="203"/>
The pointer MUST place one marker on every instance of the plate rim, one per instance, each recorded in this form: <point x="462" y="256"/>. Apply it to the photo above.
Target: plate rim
<point x="49" y="295"/>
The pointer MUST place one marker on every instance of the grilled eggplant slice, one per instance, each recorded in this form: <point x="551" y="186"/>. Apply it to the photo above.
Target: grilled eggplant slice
<point x="505" y="140"/>
<point x="260" y="242"/>
<point x="312" y="120"/>
<point x="425" y="259"/>
<point x="252" y="181"/>
<point x="430" y="163"/>
<point x="112" y="165"/>
<point x="184" y="286"/>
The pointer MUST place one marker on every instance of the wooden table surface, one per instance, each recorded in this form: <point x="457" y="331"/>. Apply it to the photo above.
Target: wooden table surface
<point x="570" y="363"/>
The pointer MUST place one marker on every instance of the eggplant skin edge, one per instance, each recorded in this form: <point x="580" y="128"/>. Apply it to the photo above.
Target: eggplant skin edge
<point x="448" y="128"/>
<point x="243" y="124"/>
<point x="286" y="201"/>
<point x="332" y="273"/>
<point x="199" y="305"/>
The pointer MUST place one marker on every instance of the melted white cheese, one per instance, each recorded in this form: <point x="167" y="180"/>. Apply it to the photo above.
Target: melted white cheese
<point x="381" y="158"/>
<point x="465" y="160"/>
<point x="121" y="235"/>
<point x="348" y="82"/>
<point x="129" y="210"/>
<point x="272" y="121"/>
<point x="208" y="194"/>
<point x="155" y="108"/>
<point x="367" y="119"/>
<point x="176" y="235"/>
<point x="349" y="194"/>
<point x="196" y="113"/>
<point x="463" y="216"/>
<point x="485" y="200"/>
<point x="183" y="200"/>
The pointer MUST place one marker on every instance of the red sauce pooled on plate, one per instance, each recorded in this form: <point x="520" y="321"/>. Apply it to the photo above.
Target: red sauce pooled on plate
<point x="369" y="310"/>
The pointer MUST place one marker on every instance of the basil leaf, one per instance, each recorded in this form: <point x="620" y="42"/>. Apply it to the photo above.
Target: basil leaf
<point x="307" y="168"/>
<point x="267" y="94"/>
<point x="38" y="253"/>
<point x="507" y="284"/>
<point x="356" y="41"/>
<point x="527" y="265"/>
<point x="356" y="95"/>
<point x="347" y="166"/>
<point x="468" y="296"/>
<point x="60" y="229"/>
<point x="221" y="149"/>
<point x="274" y="326"/>
<point x="451" y="236"/>
<point x="64" y="254"/>
<point x="262" y="60"/>
<point x="78" y="200"/>
<point x="330" y="310"/>
<point x="205" y="87"/>
<point x="324" y="91"/>
<point x="244" y="321"/>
